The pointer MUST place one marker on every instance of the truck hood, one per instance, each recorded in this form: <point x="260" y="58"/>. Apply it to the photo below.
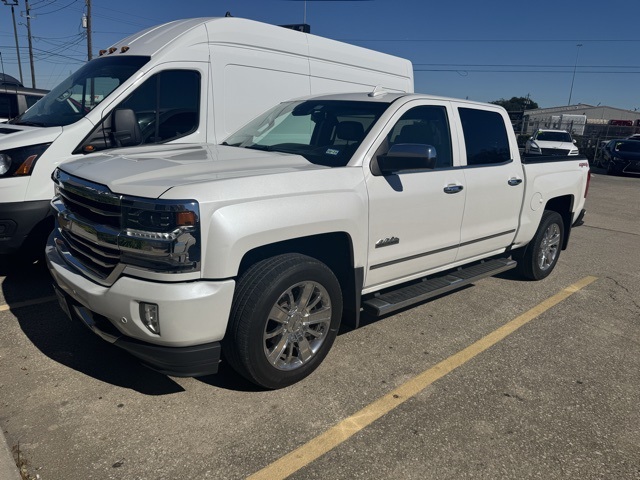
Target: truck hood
<point x="150" y="171"/>
<point x="14" y="136"/>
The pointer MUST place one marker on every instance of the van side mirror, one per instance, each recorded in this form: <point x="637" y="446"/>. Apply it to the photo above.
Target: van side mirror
<point x="125" y="130"/>
<point x="405" y="157"/>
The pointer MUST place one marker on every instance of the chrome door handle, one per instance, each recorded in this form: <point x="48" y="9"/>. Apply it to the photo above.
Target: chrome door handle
<point x="514" y="181"/>
<point x="453" y="188"/>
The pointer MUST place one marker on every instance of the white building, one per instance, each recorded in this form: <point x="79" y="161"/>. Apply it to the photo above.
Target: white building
<point x="575" y="118"/>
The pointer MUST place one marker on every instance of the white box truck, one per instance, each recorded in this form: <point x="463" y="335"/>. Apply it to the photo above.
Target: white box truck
<point x="187" y="81"/>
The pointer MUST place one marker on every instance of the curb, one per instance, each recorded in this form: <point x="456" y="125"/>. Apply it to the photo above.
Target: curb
<point x="8" y="469"/>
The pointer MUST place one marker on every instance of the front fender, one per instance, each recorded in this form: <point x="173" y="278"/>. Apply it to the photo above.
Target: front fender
<point x="237" y="229"/>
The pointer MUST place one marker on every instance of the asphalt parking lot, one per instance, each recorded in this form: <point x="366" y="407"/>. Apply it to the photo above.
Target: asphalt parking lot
<point x="418" y="395"/>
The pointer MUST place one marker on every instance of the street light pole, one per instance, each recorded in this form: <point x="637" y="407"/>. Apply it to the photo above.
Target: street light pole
<point x="574" y="72"/>
<point x="13" y="3"/>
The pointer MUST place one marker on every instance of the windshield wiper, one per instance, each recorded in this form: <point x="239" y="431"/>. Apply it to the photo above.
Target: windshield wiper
<point x="30" y="124"/>
<point x="265" y="148"/>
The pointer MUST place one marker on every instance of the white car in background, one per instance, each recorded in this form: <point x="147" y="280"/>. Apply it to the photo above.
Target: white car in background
<point x="551" y="142"/>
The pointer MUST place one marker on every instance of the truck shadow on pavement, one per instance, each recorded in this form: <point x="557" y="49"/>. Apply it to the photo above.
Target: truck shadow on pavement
<point x="72" y="345"/>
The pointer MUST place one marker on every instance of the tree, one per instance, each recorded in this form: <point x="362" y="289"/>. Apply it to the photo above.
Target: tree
<point x="516" y="104"/>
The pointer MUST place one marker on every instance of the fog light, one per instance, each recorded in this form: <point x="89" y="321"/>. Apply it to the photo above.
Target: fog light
<point x="150" y="317"/>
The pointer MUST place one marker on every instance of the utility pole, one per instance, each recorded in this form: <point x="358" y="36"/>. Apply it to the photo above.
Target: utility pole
<point x="88" y="27"/>
<point x="33" y="73"/>
<point x="574" y="72"/>
<point x="13" y="3"/>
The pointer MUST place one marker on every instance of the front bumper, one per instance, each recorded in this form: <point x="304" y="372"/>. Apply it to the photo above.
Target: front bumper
<point x="17" y="220"/>
<point x="193" y="316"/>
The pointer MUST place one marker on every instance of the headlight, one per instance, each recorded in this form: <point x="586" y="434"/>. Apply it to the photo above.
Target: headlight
<point x="534" y="146"/>
<point x="5" y="163"/>
<point x="18" y="162"/>
<point x="160" y="235"/>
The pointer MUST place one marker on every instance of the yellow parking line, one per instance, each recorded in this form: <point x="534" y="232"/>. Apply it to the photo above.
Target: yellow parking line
<point x="315" y="448"/>
<point x="27" y="303"/>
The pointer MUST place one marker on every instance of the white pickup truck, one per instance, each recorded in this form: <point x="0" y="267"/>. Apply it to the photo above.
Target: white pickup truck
<point x="255" y="250"/>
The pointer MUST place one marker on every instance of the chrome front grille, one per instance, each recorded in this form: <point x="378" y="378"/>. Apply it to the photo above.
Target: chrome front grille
<point x="101" y="233"/>
<point x="89" y="222"/>
<point x="90" y="208"/>
<point x="100" y="260"/>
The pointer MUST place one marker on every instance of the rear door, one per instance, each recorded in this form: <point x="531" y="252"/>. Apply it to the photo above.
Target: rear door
<point x="494" y="182"/>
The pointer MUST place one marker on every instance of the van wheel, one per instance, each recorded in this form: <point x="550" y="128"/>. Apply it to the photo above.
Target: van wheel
<point x="538" y="259"/>
<point x="285" y="316"/>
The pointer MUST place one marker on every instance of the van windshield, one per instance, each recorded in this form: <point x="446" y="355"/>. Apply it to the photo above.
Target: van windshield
<point x="81" y="92"/>
<point x="325" y="132"/>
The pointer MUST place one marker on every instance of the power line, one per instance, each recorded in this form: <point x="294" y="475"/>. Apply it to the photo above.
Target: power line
<point x="56" y="10"/>
<point x="129" y="14"/>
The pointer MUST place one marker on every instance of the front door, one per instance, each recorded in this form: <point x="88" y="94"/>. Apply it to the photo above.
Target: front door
<point x="415" y="216"/>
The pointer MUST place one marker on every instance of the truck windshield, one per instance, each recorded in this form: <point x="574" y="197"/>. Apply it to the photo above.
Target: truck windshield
<point x="325" y="132"/>
<point x="554" y="137"/>
<point x="81" y="92"/>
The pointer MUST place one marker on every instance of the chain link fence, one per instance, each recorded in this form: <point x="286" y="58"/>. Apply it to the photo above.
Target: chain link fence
<point x="590" y="137"/>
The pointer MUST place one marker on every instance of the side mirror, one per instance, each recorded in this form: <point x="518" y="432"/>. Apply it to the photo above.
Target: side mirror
<point x="575" y="141"/>
<point x="125" y="130"/>
<point x="404" y="157"/>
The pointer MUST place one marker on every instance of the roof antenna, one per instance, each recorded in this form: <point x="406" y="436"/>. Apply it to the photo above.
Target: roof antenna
<point x="378" y="91"/>
<point x="228" y="14"/>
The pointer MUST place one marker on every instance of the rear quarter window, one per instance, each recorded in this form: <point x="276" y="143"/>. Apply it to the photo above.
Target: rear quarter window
<point x="485" y="137"/>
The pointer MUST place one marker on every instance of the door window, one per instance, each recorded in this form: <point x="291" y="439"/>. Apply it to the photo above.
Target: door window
<point x="485" y="137"/>
<point x="166" y="106"/>
<point x="426" y="125"/>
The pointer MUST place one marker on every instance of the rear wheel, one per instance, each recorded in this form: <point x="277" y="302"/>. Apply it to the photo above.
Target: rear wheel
<point x="284" y="319"/>
<point x="538" y="259"/>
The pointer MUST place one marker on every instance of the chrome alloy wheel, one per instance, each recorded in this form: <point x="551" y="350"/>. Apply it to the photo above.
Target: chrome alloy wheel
<point x="549" y="247"/>
<point x="297" y="326"/>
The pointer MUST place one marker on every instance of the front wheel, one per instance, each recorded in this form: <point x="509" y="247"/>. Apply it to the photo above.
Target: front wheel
<point x="538" y="259"/>
<point x="285" y="316"/>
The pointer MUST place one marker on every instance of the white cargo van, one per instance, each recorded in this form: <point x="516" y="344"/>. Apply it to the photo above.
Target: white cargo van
<point x="194" y="80"/>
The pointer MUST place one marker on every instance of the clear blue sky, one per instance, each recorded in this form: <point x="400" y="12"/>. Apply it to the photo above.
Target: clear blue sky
<point x="483" y="50"/>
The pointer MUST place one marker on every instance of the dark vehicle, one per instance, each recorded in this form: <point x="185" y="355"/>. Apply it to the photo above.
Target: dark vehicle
<point x="621" y="156"/>
<point x="16" y="99"/>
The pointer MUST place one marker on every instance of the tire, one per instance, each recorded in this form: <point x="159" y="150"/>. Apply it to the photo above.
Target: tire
<point x="538" y="259"/>
<point x="270" y="340"/>
<point x="611" y="170"/>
